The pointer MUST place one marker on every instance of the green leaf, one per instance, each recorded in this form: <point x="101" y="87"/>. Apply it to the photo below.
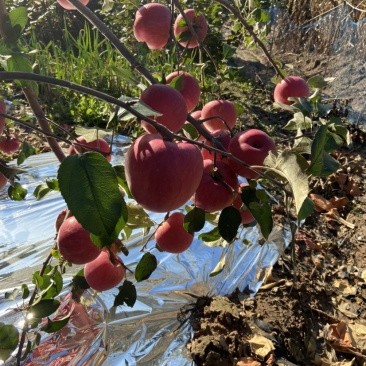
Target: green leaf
<point x="44" y="308"/>
<point x="228" y="51"/>
<point x="121" y="176"/>
<point x="299" y="122"/>
<point x="43" y="189"/>
<point x="91" y="134"/>
<point x="219" y="267"/>
<point x="194" y="220"/>
<point x="145" y="267"/>
<point x="291" y="167"/>
<point x="16" y="192"/>
<point x="19" y="62"/>
<point x="322" y="164"/>
<point x="210" y="236"/>
<point x="26" y="151"/>
<point x="190" y="130"/>
<point x="138" y="106"/>
<point x="107" y="6"/>
<point x="229" y="222"/>
<point x="19" y="16"/>
<point x="127" y="76"/>
<point x="261" y="211"/>
<point x="10" y="172"/>
<point x="89" y="186"/>
<point x="11" y="295"/>
<point x="25" y="291"/>
<point x="306" y="209"/>
<point x="54" y="326"/>
<point x="177" y="82"/>
<point x="137" y="217"/>
<point x="317" y="82"/>
<point x="79" y="283"/>
<point x="127" y="295"/>
<point x="9" y="338"/>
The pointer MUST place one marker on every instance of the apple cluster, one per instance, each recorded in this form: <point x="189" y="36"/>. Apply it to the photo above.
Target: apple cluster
<point x="153" y="23"/>
<point x="162" y="173"/>
<point x="103" y="268"/>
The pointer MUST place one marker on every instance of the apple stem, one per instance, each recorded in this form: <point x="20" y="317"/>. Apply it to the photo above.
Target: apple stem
<point x="30" y="303"/>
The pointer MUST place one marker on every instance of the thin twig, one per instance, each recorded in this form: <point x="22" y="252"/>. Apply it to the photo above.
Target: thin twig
<point x="249" y="29"/>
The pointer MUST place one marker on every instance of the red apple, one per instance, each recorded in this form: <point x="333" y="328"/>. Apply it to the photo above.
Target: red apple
<point x="252" y="147"/>
<point x="162" y="175"/>
<point x="9" y="144"/>
<point x="66" y="5"/>
<point x="3" y="181"/>
<point x="183" y="34"/>
<point x="167" y="101"/>
<point x="74" y="243"/>
<point x="292" y="86"/>
<point x="188" y="86"/>
<point x="222" y="108"/>
<point x="224" y="138"/>
<point x="246" y="215"/>
<point x="218" y="187"/>
<point x="2" y="119"/>
<point x="171" y="235"/>
<point x="60" y="219"/>
<point x="99" y="144"/>
<point x="152" y="25"/>
<point x="104" y="272"/>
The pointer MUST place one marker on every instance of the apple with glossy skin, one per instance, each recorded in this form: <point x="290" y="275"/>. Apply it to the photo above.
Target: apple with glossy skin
<point x="104" y="272"/>
<point x="182" y="32"/>
<point x="167" y="101"/>
<point x="66" y="5"/>
<point x="99" y="144"/>
<point x="188" y="86"/>
<point x="162" y="175"/>
<point x="246" y="215"/>
<point x="2" y="119"/>
<point x="218" y="187"/>
<point x="9" y="144"/>
<point x="292" y="86"/>
<point x="252" y="147"/>
<point x="222" y="108"/>
<point x="60" y="219"/>
<point x="224" y="138"/>
<point x="3" y="181"/>
<point x="152" y="25"/>
<point x="171" y="236"/>
<point x="74" y="243"/>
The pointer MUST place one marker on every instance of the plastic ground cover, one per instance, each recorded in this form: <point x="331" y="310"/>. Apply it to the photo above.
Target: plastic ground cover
<point x="99" y="334"/>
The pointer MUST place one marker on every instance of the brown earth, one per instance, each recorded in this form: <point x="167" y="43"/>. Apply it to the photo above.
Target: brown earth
<point x="314" y="314"/>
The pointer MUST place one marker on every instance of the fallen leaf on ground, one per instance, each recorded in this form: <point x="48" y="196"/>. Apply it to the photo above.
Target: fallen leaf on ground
<point x="321" y="203"/>
<point x="309" y="243"/>
<point x="261" y="346"/>
<point x="358" y="332"/>
<point x="338" y="337"/>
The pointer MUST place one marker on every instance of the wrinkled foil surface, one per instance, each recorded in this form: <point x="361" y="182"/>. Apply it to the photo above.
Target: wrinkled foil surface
<point x="150" y="332"/>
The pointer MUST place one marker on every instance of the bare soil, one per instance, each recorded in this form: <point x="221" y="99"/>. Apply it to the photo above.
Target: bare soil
<point x="314" y="314"/>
